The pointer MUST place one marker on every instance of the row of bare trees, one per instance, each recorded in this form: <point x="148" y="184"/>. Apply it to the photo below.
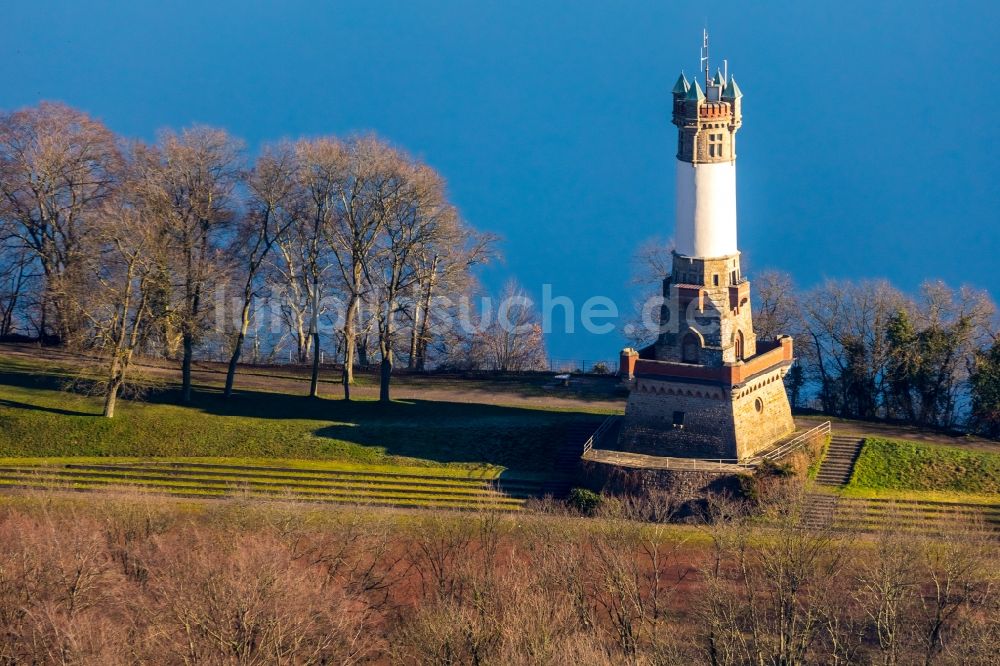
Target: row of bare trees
<point x="867" y="350"/>
<point x="122" y="247"/>
<point x="137" y="580"/>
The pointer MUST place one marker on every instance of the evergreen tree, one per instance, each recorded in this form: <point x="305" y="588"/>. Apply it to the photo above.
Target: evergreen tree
<point x="985" y="386"/>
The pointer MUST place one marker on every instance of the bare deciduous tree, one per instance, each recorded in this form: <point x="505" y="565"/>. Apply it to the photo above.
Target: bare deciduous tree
<point x="272" y="207"/>
<point x="192" y="175"/>
<point x="367" y="189"/>
<point x="848" y="353"/>
<point x="57" y="165"/>
<point x="120" y="277"/>
<point x="509" y="338"/>
<point x="776" y="307"/>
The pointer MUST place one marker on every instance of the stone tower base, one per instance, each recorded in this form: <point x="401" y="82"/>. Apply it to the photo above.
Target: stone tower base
<point x="678" y="410"/>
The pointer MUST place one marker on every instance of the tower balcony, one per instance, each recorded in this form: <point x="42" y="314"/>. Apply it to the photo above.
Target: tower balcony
<point x="770" y="354"/>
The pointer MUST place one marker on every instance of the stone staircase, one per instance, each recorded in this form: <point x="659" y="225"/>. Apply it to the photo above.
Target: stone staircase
<point x="820" y="509"/>
<point x="838" y="465"/>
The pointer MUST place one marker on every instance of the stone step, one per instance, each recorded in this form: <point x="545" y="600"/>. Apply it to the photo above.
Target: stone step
<point x="838" y="465"/>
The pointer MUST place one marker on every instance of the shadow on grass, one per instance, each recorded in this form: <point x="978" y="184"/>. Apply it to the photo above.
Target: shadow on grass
<point x="440" y="431"/>
<point x="14" y="404"/>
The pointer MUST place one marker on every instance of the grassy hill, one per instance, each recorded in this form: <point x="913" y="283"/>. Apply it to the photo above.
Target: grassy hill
<point x="39" y="418"/>
<point x="887" y="464"/>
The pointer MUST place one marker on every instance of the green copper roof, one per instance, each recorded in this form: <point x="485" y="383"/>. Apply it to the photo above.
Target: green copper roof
<point x="695" y="93"/>
<point x="719" y="81"/>
<point x="732" y="90"/>
<point x="682" y="85"/>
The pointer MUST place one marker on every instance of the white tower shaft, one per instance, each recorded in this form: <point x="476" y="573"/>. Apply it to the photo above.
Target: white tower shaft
<point x="706" y="209"/>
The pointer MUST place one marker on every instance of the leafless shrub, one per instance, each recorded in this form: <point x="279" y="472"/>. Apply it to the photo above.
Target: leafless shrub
<point x="633" y="580"/>
<point x="134" y="579"/>
<point x="58" y="601"/>
<point x="224" y="598"/>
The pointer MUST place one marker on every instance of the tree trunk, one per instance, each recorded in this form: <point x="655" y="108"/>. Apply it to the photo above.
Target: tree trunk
<point x="116" y="377"/>
<point x="414" y="338"/>
<point x="386" y="332"/>
<point x="362" y="347"/>
<point x="350" y="340"/>
<point x="314" y="381"/>
<point x="237" y="348"/>
<point x="233" y="361"/>
<point x="42" y="324"/>
<point x="111" y="397"/>
<point x="345" y="378"/>
<point x="425" y="325"/>
<point x="186" y="368"/>
<point x="302" y="344"/>
<point x="8" y="315"/>
<point x="385" y="374"/>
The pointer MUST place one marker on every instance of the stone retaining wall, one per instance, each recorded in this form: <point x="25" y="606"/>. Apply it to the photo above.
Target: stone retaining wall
<point x="686" y="485"/>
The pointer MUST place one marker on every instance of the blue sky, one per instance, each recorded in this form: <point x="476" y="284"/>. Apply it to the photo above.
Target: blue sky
<point x="869" y="144"/>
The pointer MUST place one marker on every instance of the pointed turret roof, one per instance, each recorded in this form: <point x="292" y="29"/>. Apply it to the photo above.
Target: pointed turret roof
<point x="732" y="90"/>
<point x="719" y="80"/>
<point x="695" y="93"/>
<point x="682" y="85"/>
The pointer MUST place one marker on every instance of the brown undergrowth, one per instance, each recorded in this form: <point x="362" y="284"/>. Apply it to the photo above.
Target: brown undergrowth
<point x="122" y="580"/>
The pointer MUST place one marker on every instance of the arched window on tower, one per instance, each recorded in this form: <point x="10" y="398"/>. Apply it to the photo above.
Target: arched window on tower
<point x="690" y="348"/>
<point x="738" y="344"/>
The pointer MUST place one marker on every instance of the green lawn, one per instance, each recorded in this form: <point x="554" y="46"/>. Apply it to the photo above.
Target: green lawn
<point x="40" y="419"/>
<point x="900" y="465"/>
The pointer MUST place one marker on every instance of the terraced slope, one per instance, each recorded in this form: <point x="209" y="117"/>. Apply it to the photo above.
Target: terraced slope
<point x="818" y="511"/>
<point x="829" y="506"/>
<point x="421" y="487"/>
<point x="918" y="515"/>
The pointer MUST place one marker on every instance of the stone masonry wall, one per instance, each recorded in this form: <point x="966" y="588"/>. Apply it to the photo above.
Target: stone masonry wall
<point x="684" y="485"/>
<point x="718" y="423"/>
<point x="762" y="413"/>
<point x="708" y="430"/>
<point x="707" y="298"/>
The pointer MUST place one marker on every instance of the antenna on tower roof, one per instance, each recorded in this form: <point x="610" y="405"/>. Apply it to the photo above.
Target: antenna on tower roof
<point x="704" y="55"/>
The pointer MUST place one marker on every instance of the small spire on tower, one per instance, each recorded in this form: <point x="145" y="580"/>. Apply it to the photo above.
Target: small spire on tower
<point x="732" y="90"/>
<point x="682" y="86"/>
<point x="695" y="94"/>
